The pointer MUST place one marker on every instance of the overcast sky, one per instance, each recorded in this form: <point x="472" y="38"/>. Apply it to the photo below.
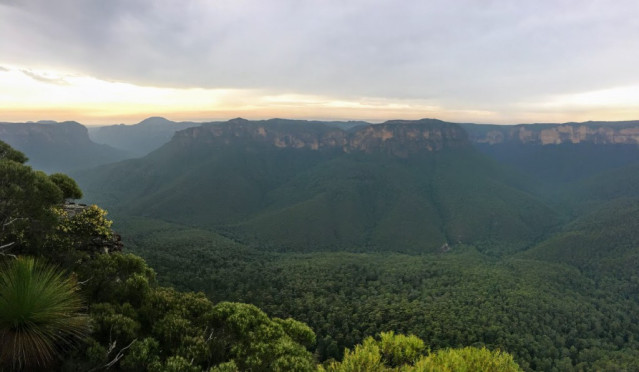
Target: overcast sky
<point x="490" y="61"/>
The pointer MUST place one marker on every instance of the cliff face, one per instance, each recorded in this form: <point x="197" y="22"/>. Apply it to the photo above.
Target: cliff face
<point x="22" y="134"/>
<point x="402" y="138"/>
<point x="57" y="147"/>
<point x="626" y="133"/>
<point x="397" y="138"/>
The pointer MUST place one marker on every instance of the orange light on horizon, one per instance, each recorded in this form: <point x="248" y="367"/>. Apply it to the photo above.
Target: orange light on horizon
<point x="27" y="95"/>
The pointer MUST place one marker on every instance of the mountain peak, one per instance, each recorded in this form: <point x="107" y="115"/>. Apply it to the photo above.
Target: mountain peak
<point x="155" y="120"/>
<point x="238" y="120"/>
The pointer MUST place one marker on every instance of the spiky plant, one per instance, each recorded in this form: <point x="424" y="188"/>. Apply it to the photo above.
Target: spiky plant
<point x="40" y="314"/>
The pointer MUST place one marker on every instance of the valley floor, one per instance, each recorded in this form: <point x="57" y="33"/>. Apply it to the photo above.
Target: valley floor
<point x="550" y="316"/>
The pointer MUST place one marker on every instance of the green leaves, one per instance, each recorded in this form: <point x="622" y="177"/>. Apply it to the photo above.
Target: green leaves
<point x="257" y="343"/>
<point x="298" y="331"/>
<point x="69" y="187"/>
<point x="391" y="351"/>
<point x="400" y="349"/>
<point x="39" y="314"/>
<point x="26" y="198"/>
<point x="405" y="353"/>
<point x="467" y="359"/>
<point x="8" y="153"/>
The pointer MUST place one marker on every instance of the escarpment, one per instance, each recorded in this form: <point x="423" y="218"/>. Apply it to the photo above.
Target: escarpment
<point x="400" y="138"/>
<point x="22" y="134"/>
<point x="57" y="147"/>
<point x="599" y="133"/>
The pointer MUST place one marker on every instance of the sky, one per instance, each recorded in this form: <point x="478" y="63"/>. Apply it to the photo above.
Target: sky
<point x="483" y="61"/>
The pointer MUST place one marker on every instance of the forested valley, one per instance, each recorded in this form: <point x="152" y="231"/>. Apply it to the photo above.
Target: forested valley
<point x="549" y="315"/>
<point x="409" y="246"/>
<point x="71" y="300"/>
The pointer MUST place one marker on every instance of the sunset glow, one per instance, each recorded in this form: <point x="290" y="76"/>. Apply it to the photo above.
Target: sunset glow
<point x="205" y="61"/>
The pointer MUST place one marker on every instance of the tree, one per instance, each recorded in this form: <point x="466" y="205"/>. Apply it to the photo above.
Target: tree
<point x="468" y="359"/>
<point x="8" y="153"/>
<point x="69" y="187"/>
<point x="249" y="338"/>
<point x="404" y="353"/>
<point x="26" y="198"/>
<point x="39" y="314"/>
<point x="80" y="235"/>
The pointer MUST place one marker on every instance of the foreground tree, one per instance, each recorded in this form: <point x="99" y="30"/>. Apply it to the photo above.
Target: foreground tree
<point x="40" y="314"/>
<point x="467" y="359"/>
<point x="26" y="201"/>
<point x="69" y="187"/>
<point x="9" y="153"/>
<point x="404" y="354"/>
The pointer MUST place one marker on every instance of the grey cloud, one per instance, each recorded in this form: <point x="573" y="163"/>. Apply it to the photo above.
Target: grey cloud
<point x="461" y="53"/>
<point x="44" y="78"/>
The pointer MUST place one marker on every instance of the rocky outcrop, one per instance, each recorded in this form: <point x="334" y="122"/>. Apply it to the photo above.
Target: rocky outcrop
<point x="402" y="137"/>
<point x="397" y="138"/>
<point x="601" y="133"/>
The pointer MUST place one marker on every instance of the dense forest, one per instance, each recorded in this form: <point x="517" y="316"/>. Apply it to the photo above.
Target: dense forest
<point x="71" y="300"/>
<point x="549" y="315"/>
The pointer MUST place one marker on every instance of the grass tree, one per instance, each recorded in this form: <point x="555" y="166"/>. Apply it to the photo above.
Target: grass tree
<point x="40" y="315"/>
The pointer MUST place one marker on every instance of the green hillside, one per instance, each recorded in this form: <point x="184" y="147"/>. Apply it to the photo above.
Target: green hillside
<point x="415" y="205"/>
<point x="604" y="237"/>
<point x="564" y="163"/>
<point x="307" y="200"/>
<point x="604" y="241"/>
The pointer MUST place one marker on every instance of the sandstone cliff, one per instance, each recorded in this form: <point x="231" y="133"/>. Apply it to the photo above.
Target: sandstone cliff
<point x="399" y="138"/>
<point x="602" y="133"/>
<point x="22" y="134"/>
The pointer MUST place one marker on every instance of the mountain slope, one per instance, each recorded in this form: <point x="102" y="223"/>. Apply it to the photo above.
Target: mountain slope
<point x="559" y="154"/>
<point x="602" y="242"/>
<point x="409" y="186"/>
<point x="141" y="138"/>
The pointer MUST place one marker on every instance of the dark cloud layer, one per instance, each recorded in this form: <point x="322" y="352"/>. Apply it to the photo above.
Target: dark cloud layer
<point x="465" y="53"/>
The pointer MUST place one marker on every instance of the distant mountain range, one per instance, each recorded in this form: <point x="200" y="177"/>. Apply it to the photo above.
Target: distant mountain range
<point x="138" y="139"/>
<point x="409" y="186"/>
<point x="412" y="186"/>
<point x="149" y="134"/>
<point x="58" y="147"/>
